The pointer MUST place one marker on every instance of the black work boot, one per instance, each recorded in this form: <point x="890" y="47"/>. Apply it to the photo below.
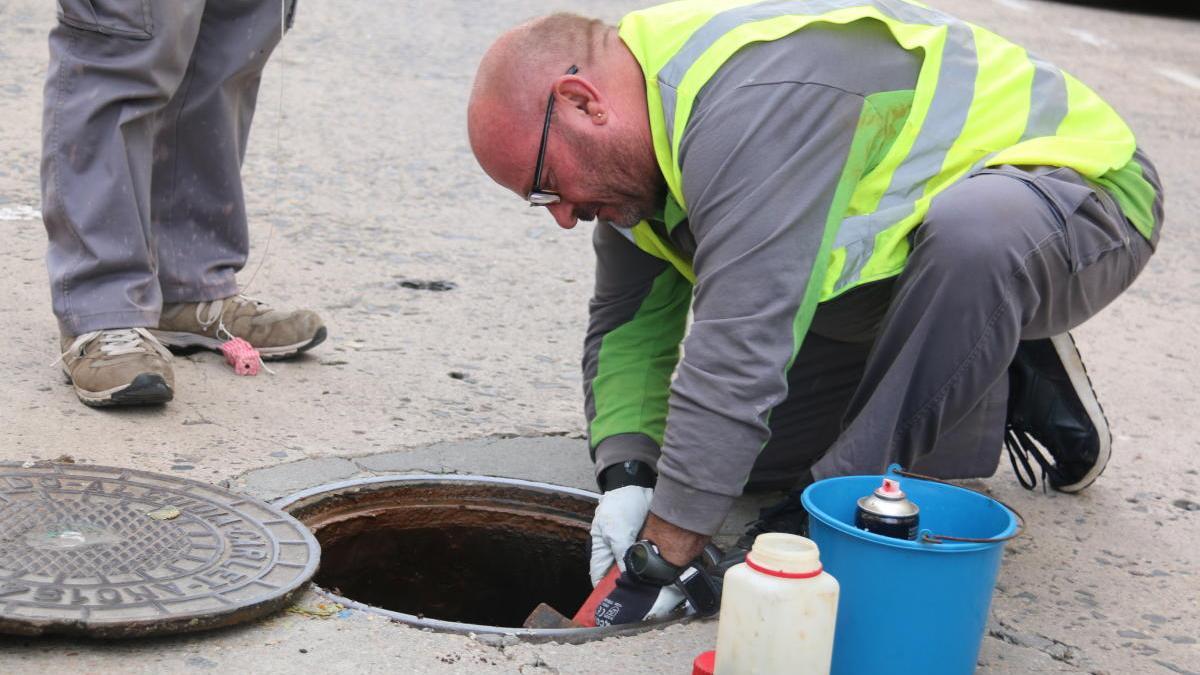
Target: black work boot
<point x="787" y="516"/>
<point x="1051" y="401"/>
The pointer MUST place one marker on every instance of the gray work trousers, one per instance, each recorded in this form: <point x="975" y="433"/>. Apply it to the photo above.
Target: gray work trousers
<point x="147" y="109"/>
<point x="914" y="370"/>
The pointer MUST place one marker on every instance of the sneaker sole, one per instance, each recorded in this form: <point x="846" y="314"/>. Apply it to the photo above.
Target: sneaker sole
<point x="182" y="342"/>
<point x="1068" y="353"/>
<point x="145" y="389"/>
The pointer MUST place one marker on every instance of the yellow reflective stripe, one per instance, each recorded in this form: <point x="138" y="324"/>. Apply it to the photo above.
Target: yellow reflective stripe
<point x="874" y="185"/>
<point x="978" y="103"/>
<point x="1092" y="139"/>
<point x="940" y="112"/>
<point x="648" y="241"/>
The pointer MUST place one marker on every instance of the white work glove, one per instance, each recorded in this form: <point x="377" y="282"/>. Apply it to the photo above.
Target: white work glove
<point x="619" y="517"/>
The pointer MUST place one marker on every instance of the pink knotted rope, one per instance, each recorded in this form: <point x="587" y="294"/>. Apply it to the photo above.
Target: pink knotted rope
<point x="240" y="354"/>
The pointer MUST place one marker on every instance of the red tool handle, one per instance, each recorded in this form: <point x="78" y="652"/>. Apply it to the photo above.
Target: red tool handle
<point x="586" y="616"/>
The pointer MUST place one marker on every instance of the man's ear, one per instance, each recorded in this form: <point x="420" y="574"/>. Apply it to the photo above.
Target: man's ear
<point x="582" y="98"/>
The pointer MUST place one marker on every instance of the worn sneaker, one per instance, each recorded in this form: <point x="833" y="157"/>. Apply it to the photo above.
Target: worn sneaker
<point x="276" y="334"/>
<point x="1051" y="401"/>
<point x="124" y="366"/>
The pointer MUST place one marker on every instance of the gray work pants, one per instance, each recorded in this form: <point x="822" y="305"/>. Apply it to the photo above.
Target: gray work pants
<point x="914" y="370"/>
<point x="147" y="109"/>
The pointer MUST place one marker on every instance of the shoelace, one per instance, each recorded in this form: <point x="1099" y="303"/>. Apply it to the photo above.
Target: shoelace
<point x="214" y="309"/>
<point x="239" y="353"/>
<point x="208" y="313"/>
<point x="1021" y="447"/>
<point x="117" y="342"/>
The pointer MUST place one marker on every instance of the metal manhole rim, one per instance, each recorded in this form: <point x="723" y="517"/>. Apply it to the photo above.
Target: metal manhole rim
<point x="567" y="635"/>
<point x="570" y="635"/>
<point x="296" y="497"/>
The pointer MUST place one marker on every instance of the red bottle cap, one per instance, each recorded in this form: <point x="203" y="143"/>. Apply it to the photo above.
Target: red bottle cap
<point x="705" y="664"/>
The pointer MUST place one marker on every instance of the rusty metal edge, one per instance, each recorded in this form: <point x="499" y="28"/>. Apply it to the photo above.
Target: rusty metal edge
<point x="306" y="495"/>
<point x="562" y="635"/>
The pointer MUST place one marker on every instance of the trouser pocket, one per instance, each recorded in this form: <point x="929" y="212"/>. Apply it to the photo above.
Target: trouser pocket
<point x="1090" y="220"/>
<point x="123" y="18"/>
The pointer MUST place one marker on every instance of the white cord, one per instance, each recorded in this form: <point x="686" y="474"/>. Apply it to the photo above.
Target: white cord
<point x="278" y="150"/>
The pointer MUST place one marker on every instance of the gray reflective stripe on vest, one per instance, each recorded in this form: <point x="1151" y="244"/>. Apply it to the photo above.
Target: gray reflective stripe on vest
<point x="1047" y="100"/>
<point x="1048" y="107"/>
<point x="718" y="25"/>
<point x="623" y="231"/>
<point x="944" y="122"/>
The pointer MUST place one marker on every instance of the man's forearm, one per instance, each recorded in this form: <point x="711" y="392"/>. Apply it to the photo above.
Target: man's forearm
<point x="676" y="545"/>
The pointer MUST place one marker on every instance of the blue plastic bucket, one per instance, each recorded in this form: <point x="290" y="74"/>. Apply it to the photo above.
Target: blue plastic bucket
<point x="909" y="606"/>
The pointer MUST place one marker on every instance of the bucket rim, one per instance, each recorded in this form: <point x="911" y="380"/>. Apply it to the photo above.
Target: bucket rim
<point x="913" y="545"/>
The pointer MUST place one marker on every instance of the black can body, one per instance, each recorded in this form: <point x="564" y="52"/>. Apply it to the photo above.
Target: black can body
<point x="898" y="527"/>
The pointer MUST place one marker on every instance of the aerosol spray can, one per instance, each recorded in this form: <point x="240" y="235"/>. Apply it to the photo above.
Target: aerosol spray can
<point x="888" y="512"/>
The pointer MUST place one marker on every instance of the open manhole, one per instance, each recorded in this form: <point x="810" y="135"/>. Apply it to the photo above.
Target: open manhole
<point x="466" y="554"/>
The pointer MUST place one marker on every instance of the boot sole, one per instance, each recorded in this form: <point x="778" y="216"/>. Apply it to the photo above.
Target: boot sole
<point x="181" y="342"/>
<point x="1068" y="353"/>
<point x="145" y="389"/>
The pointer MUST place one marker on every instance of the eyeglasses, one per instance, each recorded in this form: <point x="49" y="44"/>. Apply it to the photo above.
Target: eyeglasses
<point x="538" y="195"/>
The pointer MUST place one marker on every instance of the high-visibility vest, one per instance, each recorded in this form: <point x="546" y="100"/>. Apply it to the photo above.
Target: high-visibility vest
<point x="979" y="101"/>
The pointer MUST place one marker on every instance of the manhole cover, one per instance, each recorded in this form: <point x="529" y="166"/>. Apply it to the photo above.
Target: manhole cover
<point x="110" y="552"/>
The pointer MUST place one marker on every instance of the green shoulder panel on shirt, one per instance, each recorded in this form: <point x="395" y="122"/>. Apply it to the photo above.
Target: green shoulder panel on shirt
<point x="636" y="360"/>
<point x="1133" y="193"/>
<point x="882" y="118"/>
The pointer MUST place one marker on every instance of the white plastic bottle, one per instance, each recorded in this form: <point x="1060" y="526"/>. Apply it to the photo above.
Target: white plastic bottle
<point x="778" y="610"/>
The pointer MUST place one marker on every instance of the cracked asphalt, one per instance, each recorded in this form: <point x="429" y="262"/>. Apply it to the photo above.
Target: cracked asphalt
<point x="456" y="318"/>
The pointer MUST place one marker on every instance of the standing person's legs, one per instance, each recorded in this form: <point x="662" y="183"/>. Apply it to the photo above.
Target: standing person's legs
<point x="1004" y="256"/>
<point x="198" y="206"/>
<point x="113" y="65"/>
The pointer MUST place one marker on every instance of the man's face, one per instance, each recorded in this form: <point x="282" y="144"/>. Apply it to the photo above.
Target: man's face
<point x="601" y="175"/>
<point x="598" y="161"/>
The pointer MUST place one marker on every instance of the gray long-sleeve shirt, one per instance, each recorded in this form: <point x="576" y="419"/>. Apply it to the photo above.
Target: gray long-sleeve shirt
<point x="762" y="156"/>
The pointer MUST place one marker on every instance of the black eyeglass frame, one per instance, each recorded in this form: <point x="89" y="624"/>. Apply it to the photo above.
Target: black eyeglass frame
<point x="538" y="195"/>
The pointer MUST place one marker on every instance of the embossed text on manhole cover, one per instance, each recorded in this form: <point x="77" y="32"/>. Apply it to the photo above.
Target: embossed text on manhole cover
<point x="112" y="552"/>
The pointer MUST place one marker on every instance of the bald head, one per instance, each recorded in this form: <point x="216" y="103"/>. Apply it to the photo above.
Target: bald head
<point x="508" y="99"/>
<point x="599" y="117"/>
<point x="517" y="72"/>
<point x="517" y="69"/>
